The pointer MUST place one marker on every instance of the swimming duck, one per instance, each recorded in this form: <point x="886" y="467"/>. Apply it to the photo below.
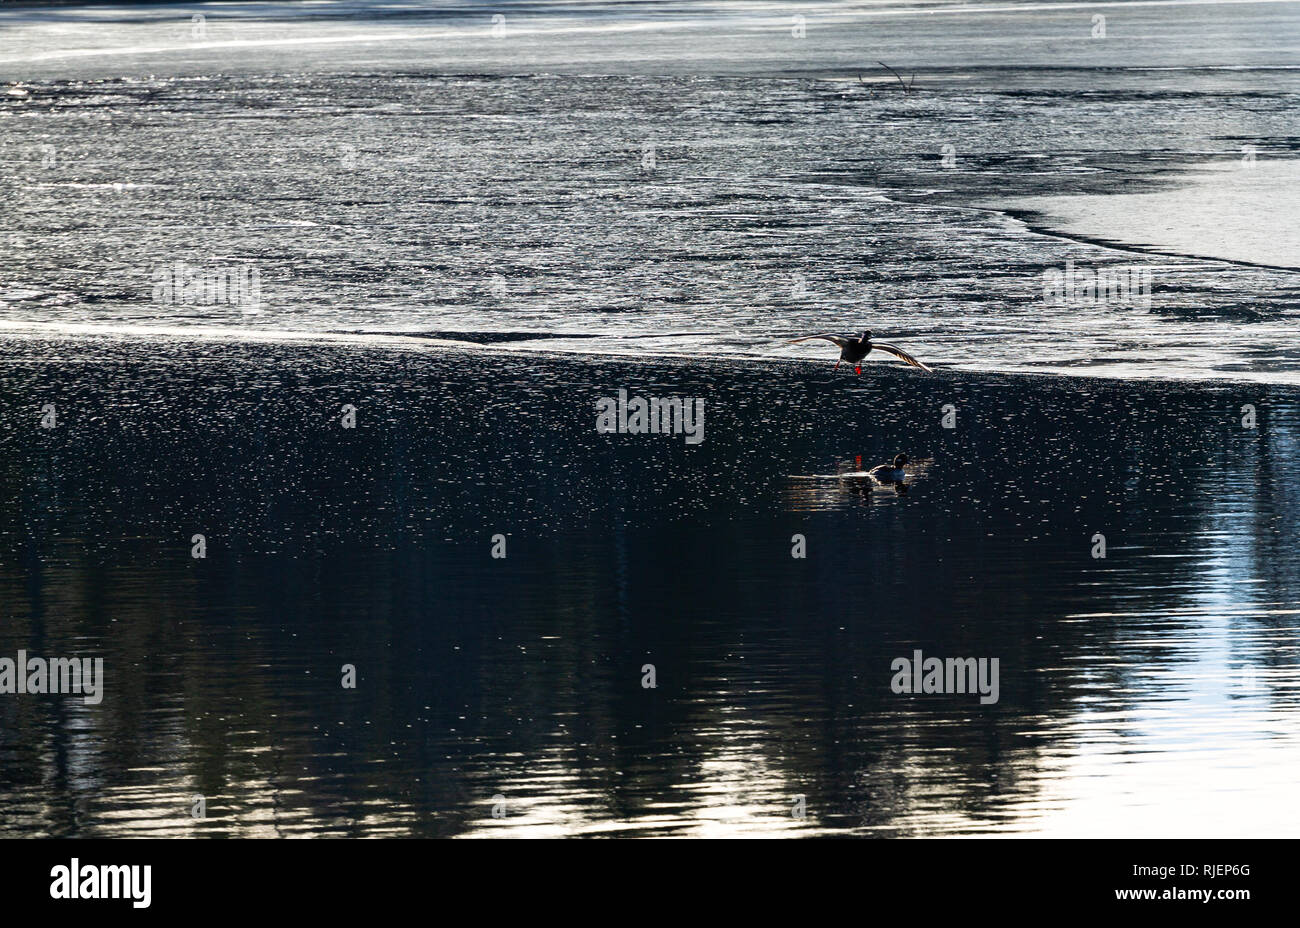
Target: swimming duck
<point x="890" y="473"/>
<point x="854" y="350"/>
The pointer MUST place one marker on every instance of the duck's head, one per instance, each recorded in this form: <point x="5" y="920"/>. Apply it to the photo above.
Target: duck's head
<point x="866" y="335"/>
<point x="899" y="461"/>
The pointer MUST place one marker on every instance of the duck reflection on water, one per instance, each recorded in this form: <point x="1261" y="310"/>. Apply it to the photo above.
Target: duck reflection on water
<point x="874" y="485"/>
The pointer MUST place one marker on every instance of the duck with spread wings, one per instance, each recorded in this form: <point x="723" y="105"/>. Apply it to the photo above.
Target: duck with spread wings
<point x="854" y="350"/>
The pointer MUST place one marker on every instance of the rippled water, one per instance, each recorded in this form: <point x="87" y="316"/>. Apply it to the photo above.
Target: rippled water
<point x="471" y="240"/>
<point x="677" y="181"/>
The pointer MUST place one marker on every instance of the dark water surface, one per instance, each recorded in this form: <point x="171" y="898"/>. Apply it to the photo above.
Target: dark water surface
<point x="1150" y="692"/>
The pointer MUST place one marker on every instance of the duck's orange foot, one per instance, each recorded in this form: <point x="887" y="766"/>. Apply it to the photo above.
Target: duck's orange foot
<point x="859" y="370"/>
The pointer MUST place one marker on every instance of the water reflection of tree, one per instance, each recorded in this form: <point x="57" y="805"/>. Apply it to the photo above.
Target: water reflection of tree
<point x="522" y="676"/>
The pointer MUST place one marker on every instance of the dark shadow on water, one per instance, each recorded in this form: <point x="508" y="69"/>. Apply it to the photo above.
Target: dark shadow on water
<point x="522" y="677"/>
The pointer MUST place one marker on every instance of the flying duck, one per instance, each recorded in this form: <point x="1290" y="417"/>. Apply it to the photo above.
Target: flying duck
<point x="854" y="350"/>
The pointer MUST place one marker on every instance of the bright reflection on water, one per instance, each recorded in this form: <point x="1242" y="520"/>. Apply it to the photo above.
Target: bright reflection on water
<point x="396" y="169"/>
<point x="1150" y="692"/>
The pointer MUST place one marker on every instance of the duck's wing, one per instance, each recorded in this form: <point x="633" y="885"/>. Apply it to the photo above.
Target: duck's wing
<point x="899" y="353"/>
<point x="837" y="339"/>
